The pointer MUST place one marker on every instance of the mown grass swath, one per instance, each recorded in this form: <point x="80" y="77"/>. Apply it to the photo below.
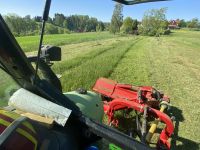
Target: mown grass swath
<point x="91" y="69"/>
<point x="171" y="64"/>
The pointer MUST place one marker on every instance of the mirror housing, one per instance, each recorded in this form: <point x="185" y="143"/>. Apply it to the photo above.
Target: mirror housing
<point x="52" y="53"/>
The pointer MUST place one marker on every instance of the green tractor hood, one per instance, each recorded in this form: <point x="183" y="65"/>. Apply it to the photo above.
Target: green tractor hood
<point x="90" y="104"/>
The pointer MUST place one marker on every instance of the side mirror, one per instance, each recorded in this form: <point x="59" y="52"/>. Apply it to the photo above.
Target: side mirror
<point x="133" y="2"/>
<point x="51" y="53"/>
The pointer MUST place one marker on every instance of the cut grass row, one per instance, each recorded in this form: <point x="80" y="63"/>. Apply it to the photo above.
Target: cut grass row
<point x="171" y="64"/>
<point x="73" y="56"/>
<point x="88" y="68"/>
<point x="30" y="43"/>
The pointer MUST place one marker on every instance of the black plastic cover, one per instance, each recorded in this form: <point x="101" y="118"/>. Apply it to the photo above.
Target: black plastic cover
<point x="53" y="53"/>
<point x="133" y="2"/>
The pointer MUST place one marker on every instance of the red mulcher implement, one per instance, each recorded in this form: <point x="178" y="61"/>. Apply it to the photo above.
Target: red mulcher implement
<point x="144" y="99"/>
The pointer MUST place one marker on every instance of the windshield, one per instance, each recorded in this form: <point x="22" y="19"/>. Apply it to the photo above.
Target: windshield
<point x="7" y="88"/>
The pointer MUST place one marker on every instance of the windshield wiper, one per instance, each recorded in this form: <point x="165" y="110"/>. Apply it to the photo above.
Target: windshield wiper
<point x="133" y="2"/>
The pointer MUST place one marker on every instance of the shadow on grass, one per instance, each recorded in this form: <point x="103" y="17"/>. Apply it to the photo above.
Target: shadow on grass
<point x="187" y="144"/>
<point x="127" y="125"/>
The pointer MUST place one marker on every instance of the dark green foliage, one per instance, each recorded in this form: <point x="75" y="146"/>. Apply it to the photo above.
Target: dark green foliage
<point x="59" y="19"/>
<point x="91" y="25"/>
<point x="154" y="22"/>
<point x="135" y="24"/>
<point x="129" y="26"/>
<point x="60" y="24"/>
<point x="82" y="23"/>
<point x="100" y="26"/>
<point x="117" y="18"/>
<point x="65" y="23"/>
<point x="182" y="23"/>
<point x="50" y="20"/>
<point x="194" y="23"/>
<point x="21" y="26"/>
<point x="51" y="29"/>
<point x="107" y="26"/>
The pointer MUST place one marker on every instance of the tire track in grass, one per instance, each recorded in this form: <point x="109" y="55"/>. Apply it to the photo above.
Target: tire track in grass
<point x="83" y="46"/>
<point x="172" y="74"/>
<point x="75" y="62"/>
<point x="120" y="59"/>
<point x="157" y="63"/>
<point x="133" y="67"/>
<point x="102" y="65"/>
<point x="30" y="43"/>
<point x="61" y="67"/>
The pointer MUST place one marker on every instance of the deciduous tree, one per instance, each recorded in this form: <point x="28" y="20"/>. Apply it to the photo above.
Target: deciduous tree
<point x="129" y="26"/>
<point x="117" y="18"/>
<point x="154" y="22"/>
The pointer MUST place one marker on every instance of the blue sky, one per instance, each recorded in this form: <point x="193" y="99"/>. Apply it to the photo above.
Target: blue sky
<point x="101" y="9"/>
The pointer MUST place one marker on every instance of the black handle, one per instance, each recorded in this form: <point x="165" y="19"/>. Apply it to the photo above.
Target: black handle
<point x="46" y="10"/>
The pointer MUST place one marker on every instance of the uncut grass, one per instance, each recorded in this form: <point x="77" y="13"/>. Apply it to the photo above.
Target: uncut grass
<point x="72" y="50"/>
<point x="30" y="43"/>
<point x="75" y="54"/>
<point x="72" y="63"/>
<point x="132" y="69"/>
<point x="171" y="64"/>
<point x="102" y="65"/>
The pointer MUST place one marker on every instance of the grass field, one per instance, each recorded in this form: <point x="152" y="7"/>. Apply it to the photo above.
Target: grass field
<point x="170" y="63"/>
<point x="30" y="43"/>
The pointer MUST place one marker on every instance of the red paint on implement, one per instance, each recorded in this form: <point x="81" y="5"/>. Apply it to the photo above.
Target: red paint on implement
<point x="122" y="96"/>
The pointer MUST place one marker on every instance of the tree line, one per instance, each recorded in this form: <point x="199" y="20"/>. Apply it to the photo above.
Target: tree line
<point x="77" y="23"/>
<point x="59" y="24"/>
<point x="193" y="23"/>
<point x="153" y="23"/>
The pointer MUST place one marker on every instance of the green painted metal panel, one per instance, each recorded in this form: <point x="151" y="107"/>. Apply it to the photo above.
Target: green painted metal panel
<point x="90" y="104"/>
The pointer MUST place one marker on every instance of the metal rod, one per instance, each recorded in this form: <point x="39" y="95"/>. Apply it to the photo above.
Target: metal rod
<point x="39" y="49"/>
<point x="45" y="18"/>
<point x="154" y="125"/>
<point x="144" y="124"/>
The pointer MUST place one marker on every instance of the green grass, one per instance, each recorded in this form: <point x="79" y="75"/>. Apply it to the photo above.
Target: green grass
<point x="170" y="63"/>
<point x="173" y="65"/>
<point x="99" y="65"/>
<point x="30" y="43"/>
